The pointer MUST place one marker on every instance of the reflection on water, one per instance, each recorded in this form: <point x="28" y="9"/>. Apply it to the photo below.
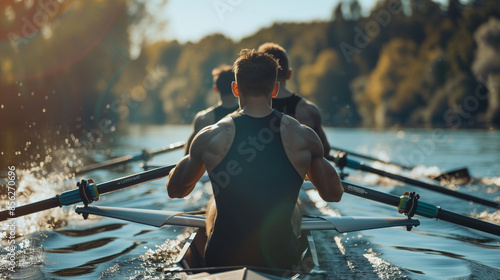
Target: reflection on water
<point x="81" y="246"/>
<point x="91" y="231"/>
<point x="90" y="266"/>
<point x="58" y="243"/>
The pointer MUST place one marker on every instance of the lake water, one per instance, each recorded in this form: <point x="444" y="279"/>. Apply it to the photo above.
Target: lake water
<point x="59" y="244"/>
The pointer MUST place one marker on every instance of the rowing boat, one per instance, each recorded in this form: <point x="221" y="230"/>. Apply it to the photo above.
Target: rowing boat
<point x="190" y="262"/>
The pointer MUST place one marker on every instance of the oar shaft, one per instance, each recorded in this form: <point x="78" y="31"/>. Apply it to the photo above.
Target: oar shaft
<point x="371" y="158"/>
<point x="30" y="208"/>
<point x="436" y="188"/>
<point x="73" y="196"/>
<point x="145" y="155"/>
<point x="108" y="163"/>
<point x="468" y="222"/>
<point x="135" y="179"/>
<point x="423" y="209"/>
<point x="171" y="147"/>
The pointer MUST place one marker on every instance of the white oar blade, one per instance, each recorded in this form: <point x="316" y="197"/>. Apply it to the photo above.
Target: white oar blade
<point x="155" y="218"/>
<point x="348" y="224"/>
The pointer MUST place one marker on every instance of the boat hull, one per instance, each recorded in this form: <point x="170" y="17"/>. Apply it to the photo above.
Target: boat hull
<point x="191" y="262"/>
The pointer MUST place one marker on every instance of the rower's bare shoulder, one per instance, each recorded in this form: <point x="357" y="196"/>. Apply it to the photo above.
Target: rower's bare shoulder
<point x="308" y="113"/>
<point x="213" y="137"/>
<point x="305" y="104"/>
<point x="306" y="107"/>
<point x="294" y="132"/>
<point x="204" y="118"/>
<point x="290" y="125"/>
<point x="311" y="139"/>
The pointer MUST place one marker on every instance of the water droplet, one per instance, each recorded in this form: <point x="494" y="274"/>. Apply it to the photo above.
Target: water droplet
<point x="400" y="134"/>
<point x="43" y="110"/>
<point x="1" y="106"/>
<point x="18" y="94"/>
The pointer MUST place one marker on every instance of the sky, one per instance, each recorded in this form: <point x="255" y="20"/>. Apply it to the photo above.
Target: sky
<point x="191" y="20"/>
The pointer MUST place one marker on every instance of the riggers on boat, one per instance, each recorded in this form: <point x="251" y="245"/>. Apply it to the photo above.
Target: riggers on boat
<point x="191" y="257"/>
<point x="191" y="262"/>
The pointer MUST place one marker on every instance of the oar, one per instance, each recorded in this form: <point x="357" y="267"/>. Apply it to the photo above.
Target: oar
<point x="145" y="155"/>
<point x="422" y="208"/>
<point x="371" y="158"/>
<point x="87" y="192"/>
<point x="342" y="161"/>
<point x="459" y="176"/>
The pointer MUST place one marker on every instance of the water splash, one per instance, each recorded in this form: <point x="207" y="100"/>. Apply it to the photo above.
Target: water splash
<point x="495" y="182"/>
<point x="489" y="217"/>
<point x="32" y="188"/>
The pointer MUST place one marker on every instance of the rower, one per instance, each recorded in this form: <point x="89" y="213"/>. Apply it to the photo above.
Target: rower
<point x="290" y="103"/>
<point x="223" y="76"/>
<point x="256" y="159"/>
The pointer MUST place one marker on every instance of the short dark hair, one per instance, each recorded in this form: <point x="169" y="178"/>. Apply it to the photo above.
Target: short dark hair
<point x="223" y="77"/>
<point x="280" y="54"/>
<point x="255" y="72"/>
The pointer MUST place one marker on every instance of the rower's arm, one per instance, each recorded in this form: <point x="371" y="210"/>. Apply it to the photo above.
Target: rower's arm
<point x="309" y="114"/>
<point x="200" y="121"/>
<point x="321" y="172"/>
<point x="189" y="170"/>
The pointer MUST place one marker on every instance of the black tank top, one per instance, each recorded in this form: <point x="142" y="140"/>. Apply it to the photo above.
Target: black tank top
<point x="220" y="112"/>
<point x="255" y="188"/>
<point x="287" y="105"/>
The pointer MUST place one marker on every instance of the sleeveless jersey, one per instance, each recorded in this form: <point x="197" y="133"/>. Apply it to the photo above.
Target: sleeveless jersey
<point x="255" y="188"/>
<point x="287" y="105"/>
<point x="220" y="112"/>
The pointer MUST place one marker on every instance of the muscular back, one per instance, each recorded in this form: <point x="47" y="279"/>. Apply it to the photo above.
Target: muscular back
<point x="300" y="143"/>
<point x="302" y="146"/>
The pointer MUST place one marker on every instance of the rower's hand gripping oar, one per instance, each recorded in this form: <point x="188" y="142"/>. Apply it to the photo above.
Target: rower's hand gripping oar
<point x="342" y="161"/>
<point x="87" y="192"/>
<point x="459" y="176"/>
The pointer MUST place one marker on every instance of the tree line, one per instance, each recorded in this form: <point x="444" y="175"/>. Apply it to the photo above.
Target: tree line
<point x="72" y="71"/>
